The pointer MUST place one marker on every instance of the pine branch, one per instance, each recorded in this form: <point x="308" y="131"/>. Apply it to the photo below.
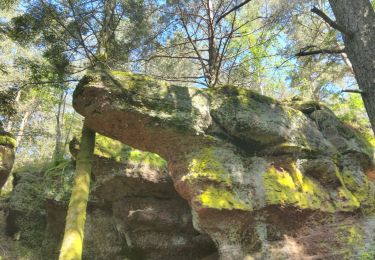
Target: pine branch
<point x="331" y="23"/>
<point x="304" y="52"/>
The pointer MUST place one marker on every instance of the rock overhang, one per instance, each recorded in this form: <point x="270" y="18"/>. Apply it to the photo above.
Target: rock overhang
<point x="231" y="150"/>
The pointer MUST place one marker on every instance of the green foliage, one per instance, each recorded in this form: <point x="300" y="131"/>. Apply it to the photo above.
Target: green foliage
<point x="7" y="103"/>
<point x="59" y="181"/>
<point x="350" y="109"/>
<point x="7" y="4"/>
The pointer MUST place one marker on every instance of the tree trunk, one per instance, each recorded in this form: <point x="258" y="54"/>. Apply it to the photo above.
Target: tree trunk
<point x="71" y="248"/>
<point x="358" y="17"/>
<point x="58" y="153"/>
<point x="106" y="33"/>
<point x="211" y="44"/>
<point x="21" y="129"/>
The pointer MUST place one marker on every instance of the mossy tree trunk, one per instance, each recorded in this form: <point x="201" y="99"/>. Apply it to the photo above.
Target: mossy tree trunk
<point x="71" y="248"/>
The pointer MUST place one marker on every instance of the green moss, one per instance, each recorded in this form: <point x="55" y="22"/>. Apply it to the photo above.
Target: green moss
<point x="363" y="190"/>
<point x="366" y="140"/>
<point x="359" y="189"/>
<point x="306" y="107"/>
<point x="164" y="104"/>
<point x="345" y="200"/>
<point x="112" y="149"/>
<point x="8" y="141"/>
<point x="352" y="240"/>
<point x="294" y="189"/>
<point x="244" y="95"/>
<point x="206" y="165"/>
<point x="367" y="255"/>
<point x="370" y="139"/>
<point x="290" y="187"/>
<point x="220" y="198"/>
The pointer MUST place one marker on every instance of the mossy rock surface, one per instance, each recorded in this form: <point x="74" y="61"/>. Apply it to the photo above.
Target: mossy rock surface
<point x="8" y="141"/>
<point x="235" y="154"/>
<point x="119" y="152"/>
<point x="266" y="124"/>
<point x="7" y="151"/>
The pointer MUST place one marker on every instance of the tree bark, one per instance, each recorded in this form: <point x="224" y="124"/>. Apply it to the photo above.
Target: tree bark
<point x="358" y="17"/>
<point x="106" y="33"/>
<point x="72" y="245"/>
<point x="21" y="129"/>
<point x="58" y="153"/>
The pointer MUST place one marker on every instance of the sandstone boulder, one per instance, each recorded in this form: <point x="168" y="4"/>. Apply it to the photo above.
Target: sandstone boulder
<point x="133" y="212"/>
<point x="247" y="165"/>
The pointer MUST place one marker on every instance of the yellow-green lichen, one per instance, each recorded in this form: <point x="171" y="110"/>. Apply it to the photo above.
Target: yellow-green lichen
<point x="363" y="193"/>
<point x="359" y="189"/>
<point x="220" y="198"/>
<point x="345" y="200"/>
<point x="291" y="188"/>
<point x="115" y="150"/>
<point x="206" y="165"/>
<point x="8" y="141"/>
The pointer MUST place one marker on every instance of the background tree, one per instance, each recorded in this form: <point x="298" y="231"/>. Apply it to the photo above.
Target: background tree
<point x="355" y="32"/>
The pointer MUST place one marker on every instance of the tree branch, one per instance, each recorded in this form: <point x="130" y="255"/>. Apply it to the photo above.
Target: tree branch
<point x="357" y="91"/>
<point x="304" y="52"/>
<point x="332" y="23"/>
<point x="50" y="82"/>
<point x="235" y="8"/>
<point x="169" y="57"/>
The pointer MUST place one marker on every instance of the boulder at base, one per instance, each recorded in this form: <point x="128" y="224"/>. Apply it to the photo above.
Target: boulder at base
<point x="133" y="211"/>
<point x="254" y="171"/>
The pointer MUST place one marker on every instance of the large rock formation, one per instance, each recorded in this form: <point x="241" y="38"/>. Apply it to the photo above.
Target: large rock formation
<point x="7" y="145"/>
<point x="254" y="171"/>
<point x="134" y="211"/>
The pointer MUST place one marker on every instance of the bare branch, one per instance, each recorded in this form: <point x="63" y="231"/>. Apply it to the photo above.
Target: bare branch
<point x="357" y="91"/>
<point x="191" y="41"/>
<point x="169" y="57"/>
<point x="235" y="8"/>
<point x="304" y="52"/>
<point x="332" y="23"/>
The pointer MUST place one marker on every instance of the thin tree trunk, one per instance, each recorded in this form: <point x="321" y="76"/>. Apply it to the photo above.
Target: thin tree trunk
<point x="358" y="17"/>
<point x="106" y="32"/>
<point x="72" y="245"/>
<point x="211" y="43"/>
<point x="58" y="151"/>
<point x="67" y="135"/>
<point x="21" y="129"/>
